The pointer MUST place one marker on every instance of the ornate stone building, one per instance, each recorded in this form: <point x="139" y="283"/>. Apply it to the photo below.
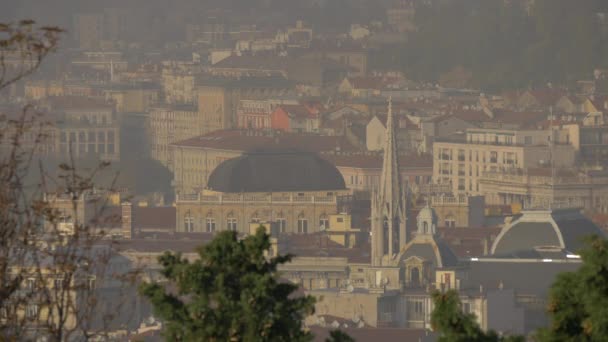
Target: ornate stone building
<point x="388" y="204"/>
<point x="296" y="192"/>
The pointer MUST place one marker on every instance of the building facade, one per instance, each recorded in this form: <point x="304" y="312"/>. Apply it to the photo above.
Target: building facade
<point x="166" y="125"/>
<point x="461" y="162"/>
<point x="296" y="191"/>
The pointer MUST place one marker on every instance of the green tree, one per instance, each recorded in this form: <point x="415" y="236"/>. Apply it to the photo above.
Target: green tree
<point x="578" y="301"/>
<point x="339" y="336"/>
<point x="453" y="325"/>
<point x="231" y="293"/>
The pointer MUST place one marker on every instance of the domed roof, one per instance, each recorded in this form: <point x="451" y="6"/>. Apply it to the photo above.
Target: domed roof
<point x="563" y="229"/>
<point x="431" y="249"/>
<point x="427" y="214"/>
<point x="276" y="170"/>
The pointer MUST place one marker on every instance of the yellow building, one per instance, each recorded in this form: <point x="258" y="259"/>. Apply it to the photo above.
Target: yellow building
<point x="297" y="191"/>
<point x="218" y="98"/>
<point x="37" y="90"/>
<point x="133" y="99"/>
<point x="166" y="125"/>
<point x="194" y="159"/>
<point x="179" y="82"/>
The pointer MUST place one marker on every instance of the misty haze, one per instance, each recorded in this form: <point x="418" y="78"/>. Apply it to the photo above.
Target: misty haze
<point x="304" y="170"/>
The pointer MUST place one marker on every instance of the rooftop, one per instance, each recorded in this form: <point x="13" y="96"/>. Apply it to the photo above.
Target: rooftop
<point x="275" y="170"/>
<point x="243" y="140"/>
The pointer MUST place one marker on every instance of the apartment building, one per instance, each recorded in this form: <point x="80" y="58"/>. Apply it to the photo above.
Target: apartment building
<point x="83" y="128"/>
<point x="219" y="98"/>
<point x="535" y="187"/>
<point x="463" y="159"/>
<point x="169" y="124"/>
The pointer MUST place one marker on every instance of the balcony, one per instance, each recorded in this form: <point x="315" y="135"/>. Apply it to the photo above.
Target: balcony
<point x="255" y="199"/>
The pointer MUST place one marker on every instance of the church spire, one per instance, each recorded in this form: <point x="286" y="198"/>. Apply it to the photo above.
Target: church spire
<point x="390" y="180"/>
<point x="388" y="201"/>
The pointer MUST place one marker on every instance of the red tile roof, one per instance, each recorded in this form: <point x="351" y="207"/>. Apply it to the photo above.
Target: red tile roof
<point x="547" y="96"/>
<point x="243" y="140"/>
<point x="300" y="111"/>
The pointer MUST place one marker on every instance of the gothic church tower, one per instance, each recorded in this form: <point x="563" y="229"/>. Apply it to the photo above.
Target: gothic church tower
<point x="389" y="203"/>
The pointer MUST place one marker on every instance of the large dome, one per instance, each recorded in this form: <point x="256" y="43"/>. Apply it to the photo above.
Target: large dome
<point x="563" y="229"/>
<point x="276" y="170"/>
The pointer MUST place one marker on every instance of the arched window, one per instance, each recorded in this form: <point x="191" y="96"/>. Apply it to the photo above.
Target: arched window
<point x="415" y="277"/>
<point x="188" y="222"/>
<point x="302" y="224"/>
<point x="210" y="223"/>
<point x="323" y="222"/>
<point x="231" y="222"/>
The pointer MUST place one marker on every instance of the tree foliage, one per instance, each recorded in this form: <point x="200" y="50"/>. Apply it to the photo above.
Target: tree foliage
<point x="578" y="305"/>
<point x="454" y="325"/>
<point x="231" y="293"/>
<point x="578" y="301"/>
<point x="507" y="45"/>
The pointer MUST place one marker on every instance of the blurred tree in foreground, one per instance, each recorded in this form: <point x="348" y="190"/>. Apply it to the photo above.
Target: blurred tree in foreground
<point x="51" y="261"/>
<point x="231" y="293"/>
<point x="578" y="301"/>
<point x="454" y="325"/>
<point x="578" y="305"/>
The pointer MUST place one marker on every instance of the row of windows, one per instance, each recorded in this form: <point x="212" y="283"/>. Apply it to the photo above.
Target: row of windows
<point x="491" y="157"/>
<point x="81" y="149"/>
<point x="232" y="223"/>
<point x="87" y="137"/>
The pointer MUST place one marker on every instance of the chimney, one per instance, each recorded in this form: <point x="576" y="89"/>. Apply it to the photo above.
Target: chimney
<point x="127" y="220"/>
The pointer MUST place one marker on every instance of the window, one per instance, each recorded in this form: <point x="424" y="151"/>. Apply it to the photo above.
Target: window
<point x="418" y="307"/>
<point x="210" y="224"/>
<point x="528" y="140"/>
<point x="461" y="155"/>
<point x="231" y="223"/>
<point x="493" y="157"/>
<point x="30" y="284"/>
<point x="323" y="222"/>
<point x="340" y="219"/>
<point x="91" y="283"/>
<point x="58" y="284"/>
<point x="188" y="223"/>
<point x="282" y="222"/>
<point x="31" y="311"/>
<point x="302" y="225"/>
